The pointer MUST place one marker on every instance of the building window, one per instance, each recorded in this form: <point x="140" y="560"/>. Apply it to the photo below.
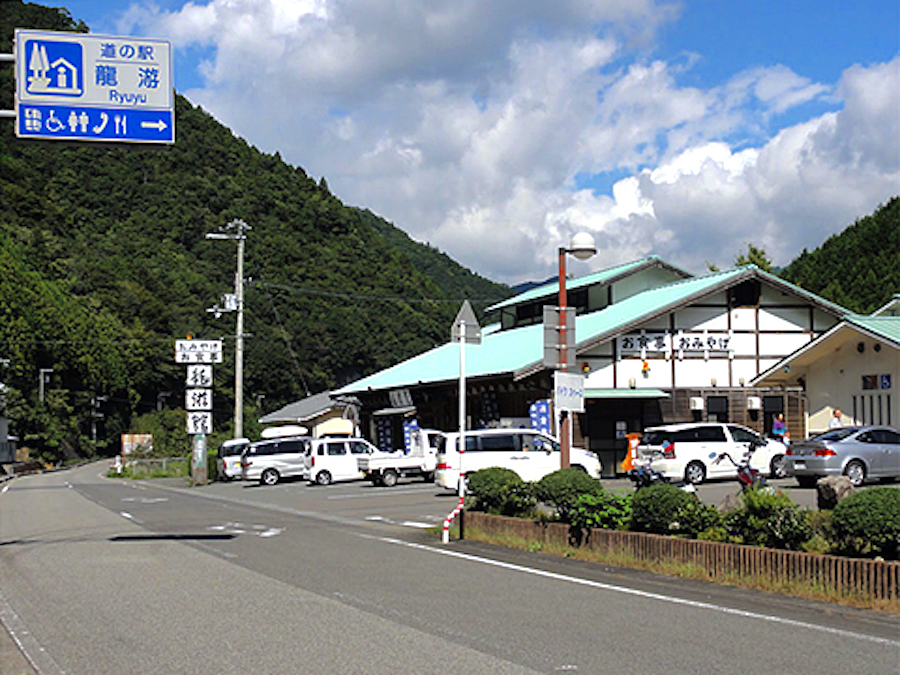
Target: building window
<point x="717" y="407"/>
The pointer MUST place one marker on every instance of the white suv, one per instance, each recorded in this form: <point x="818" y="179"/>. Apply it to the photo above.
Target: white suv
<point x="529" y="453"/>
<point x="687" y="450"/>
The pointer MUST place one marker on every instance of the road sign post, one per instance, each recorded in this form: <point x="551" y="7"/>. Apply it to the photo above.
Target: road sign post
<point x="198" y="401"/>
<point x="86" y="87"/>
<point x="465" y="329"/>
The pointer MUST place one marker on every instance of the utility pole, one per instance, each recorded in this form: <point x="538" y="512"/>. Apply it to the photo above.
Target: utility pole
<point x="42" y="373"/>
<point x="95" y="414"/>
<point x="237" y="230"/>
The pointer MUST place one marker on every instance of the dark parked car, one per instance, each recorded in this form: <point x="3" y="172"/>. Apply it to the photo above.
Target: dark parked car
<point x="860" y="453"/>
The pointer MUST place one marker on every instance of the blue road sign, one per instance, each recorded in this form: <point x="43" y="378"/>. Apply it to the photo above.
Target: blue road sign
<point x="75" y="86"/>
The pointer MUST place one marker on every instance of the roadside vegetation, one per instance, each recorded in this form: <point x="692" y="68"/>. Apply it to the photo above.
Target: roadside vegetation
<point x="865" y="524"/>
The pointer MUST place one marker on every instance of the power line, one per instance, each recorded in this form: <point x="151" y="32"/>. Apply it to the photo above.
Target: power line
<point x="357" y="296"/>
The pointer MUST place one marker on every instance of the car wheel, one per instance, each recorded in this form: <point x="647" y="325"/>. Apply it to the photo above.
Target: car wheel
<point x="856" y="472"/>
<point x="428" y="476"/>
<point x="807" y="481"/>
<point x="389" y="478"/>
<point x="776" y="468"/>
<point x="694" y="473"/>
<point x="323" y="478"/>
<point x="269" y="477"/>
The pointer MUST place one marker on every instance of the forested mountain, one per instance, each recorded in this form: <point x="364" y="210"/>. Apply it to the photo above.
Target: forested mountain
<point x="858" y="268"/>
<point x="105" y="263"/>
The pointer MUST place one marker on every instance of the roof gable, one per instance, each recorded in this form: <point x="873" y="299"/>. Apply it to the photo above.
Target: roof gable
<point x="883" y="328"/>
<point x="519" y="351"/>
<point x="603" y="277"/>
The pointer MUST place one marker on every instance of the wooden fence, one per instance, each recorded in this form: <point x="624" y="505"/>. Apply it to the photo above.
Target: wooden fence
<point x="876" y="580"/>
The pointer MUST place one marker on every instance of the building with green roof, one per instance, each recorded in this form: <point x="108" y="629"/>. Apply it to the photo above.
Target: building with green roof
<point x="654" y="343"/>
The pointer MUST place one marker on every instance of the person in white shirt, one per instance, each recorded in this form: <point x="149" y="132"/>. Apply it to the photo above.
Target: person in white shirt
<point x="836" y="422"/>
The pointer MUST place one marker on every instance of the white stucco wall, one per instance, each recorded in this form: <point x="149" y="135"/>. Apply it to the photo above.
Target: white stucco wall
<point x="835" y="381"/>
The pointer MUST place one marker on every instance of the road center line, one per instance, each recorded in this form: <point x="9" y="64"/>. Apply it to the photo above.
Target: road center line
<point x="633" y="591"/>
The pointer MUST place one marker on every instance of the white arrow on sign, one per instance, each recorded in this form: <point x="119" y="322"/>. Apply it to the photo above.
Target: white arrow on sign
<point x="159" y="126"/>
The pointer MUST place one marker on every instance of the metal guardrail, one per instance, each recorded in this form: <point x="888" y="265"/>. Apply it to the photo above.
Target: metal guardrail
<point x="146" y="465"/>
<point x="842" y="577"/>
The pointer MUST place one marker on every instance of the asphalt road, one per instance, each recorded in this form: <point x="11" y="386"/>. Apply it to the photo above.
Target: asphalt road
<point x="109" y="576"/>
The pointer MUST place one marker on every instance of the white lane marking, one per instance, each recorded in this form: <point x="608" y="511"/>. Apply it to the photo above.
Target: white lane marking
<point x="5" y="488"/>
<point x="404" y="523"/>
<point x="381" y="492"/>
<point x="31" y="649"/>
<point x="130" y="517"/>
<point x="633" y="591"/>
<point x="263" y="531"/>
<point x="272" y="532"/>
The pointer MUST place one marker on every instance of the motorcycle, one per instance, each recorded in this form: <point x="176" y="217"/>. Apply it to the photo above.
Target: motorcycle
<point x="747" y="476"/>
<point x="644" y="475"/>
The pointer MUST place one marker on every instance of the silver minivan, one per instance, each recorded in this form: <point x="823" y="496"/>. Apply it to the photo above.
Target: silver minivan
<point x="270" y="461"/>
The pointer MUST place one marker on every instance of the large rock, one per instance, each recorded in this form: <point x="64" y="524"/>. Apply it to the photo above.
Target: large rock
<point x="831" y="490"/>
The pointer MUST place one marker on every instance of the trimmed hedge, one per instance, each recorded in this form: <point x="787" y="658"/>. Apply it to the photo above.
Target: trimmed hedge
<point x="770" y="519"/>
<point x="561" y="489"/>
<point x="867" y="523"/>
<point x="499" y="491"/>
<point x="656" y="508"/>
<point x="602" y="510"/>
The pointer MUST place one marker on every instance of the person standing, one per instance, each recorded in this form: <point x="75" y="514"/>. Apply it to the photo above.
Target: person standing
<point x="836" y="421"/>
<point x="779" y="428"/>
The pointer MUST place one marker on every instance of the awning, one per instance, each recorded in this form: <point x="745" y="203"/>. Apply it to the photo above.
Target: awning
<point x="625" y="393"/>
<point x="394" y="411"/>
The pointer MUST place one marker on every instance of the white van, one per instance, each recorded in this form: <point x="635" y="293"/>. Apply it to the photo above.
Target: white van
<point x="228" y="458"/>
<point x="334" y="459"/>
<point x="529" y="453"/>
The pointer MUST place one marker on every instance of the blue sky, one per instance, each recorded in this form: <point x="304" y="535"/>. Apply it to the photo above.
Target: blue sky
<point x="495" y="130"/>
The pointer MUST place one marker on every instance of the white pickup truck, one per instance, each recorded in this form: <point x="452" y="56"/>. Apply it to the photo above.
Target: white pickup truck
<point x="384" y="468"/>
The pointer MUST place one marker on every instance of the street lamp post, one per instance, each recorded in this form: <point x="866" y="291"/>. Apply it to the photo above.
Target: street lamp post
<point x="582" y="247"/>
<point x="237" y="229"/>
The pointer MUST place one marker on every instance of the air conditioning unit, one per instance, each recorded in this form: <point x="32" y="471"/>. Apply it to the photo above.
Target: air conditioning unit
<point x="696" y="403"/>
<point x="754" y="403"/>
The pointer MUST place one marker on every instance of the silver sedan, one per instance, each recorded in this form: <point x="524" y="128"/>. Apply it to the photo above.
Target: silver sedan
<point x="860" y="453"/>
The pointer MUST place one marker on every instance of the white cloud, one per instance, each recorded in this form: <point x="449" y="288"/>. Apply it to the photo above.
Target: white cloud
<point x="467" y="124"/>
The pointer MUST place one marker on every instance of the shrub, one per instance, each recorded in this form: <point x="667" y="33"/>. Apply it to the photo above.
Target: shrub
<point x="656" y="508"/>
<point x="602" y="510"/>
<point x="867" y="523"/>
<point x="771" y="519"/>
<point x="499" y="491"/>
<point x="562" y="488"/>
<point x="694" y="517"/>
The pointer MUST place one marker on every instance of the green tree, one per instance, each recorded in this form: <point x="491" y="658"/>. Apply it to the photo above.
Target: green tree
<point x="754" y="256"/>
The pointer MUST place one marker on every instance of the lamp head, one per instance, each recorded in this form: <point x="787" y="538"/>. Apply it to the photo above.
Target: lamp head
<point x="582" y="246"/>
